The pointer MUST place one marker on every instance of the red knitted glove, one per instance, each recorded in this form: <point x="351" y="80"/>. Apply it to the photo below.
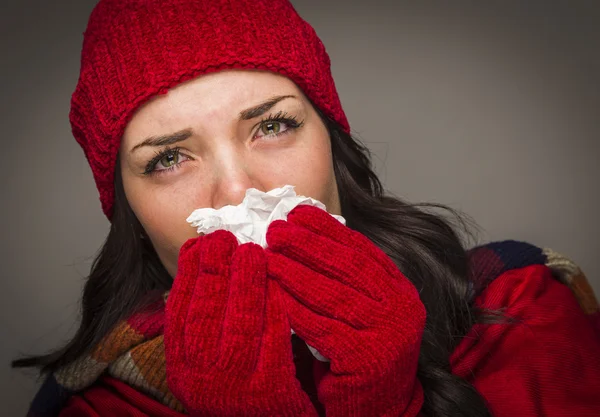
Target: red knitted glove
<point x="347" y="299"/>
<point x="227" y="338"/>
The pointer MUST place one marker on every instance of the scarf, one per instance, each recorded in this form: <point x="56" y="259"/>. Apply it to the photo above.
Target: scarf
<point x="133" y="352"/>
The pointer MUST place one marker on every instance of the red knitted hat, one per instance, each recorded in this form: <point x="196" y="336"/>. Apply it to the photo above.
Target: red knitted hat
<point x="136" y="49"/>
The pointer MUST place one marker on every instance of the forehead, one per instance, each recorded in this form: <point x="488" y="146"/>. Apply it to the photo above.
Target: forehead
<point x="220" y="94"/>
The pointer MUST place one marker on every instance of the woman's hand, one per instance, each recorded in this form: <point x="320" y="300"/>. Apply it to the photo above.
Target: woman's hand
<point x="227" y="336"/>
<point x="347" y="299"/>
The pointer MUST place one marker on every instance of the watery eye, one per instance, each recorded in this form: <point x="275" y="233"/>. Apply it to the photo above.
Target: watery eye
<point x="271" y="128"/>
<point x="169" y="159"/>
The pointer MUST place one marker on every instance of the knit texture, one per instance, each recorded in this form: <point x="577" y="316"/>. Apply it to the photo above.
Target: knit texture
<point x="227" y="335"/>
<point x="134" y="351"/>
<point x="134" y="50"/>
<point x="543" y="363"/>
<point x="346" y="298"/>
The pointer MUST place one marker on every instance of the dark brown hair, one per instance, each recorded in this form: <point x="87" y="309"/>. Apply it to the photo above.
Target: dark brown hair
<point x="425" y="245"/>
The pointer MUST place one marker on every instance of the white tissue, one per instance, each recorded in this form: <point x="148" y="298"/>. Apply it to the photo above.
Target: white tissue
<point x="249" y="220"/>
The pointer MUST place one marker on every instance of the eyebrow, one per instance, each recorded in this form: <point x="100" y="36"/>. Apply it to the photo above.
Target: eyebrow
<point x="172" y="138"/>
<point x="262" y="108"/>
<point x="163" y="140"/>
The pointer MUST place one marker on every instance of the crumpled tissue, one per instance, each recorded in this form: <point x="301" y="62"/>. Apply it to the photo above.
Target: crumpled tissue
<point x="250" y="220"/>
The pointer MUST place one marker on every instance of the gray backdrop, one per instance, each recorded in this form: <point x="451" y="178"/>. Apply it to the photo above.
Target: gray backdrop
<point x="493" y="109"/>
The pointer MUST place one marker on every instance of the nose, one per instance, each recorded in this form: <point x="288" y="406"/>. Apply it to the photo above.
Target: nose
<point x="233" y="177"/>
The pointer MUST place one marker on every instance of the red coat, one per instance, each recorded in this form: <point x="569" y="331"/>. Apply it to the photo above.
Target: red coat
<point x="547" y="365"/>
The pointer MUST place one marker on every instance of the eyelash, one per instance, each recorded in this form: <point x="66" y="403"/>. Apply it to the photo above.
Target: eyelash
<point x="280" y="117"/>
<point x="150" y="167"/>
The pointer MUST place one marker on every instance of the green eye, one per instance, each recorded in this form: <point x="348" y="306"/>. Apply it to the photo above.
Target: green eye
<point x="274" y="126"/>
<point x="170" y="159"/>
<point x="165" y="161"/>
<point x="271" y="128"/>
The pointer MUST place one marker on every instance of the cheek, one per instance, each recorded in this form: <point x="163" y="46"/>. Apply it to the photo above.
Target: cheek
<point x="308" y="167"/>
<point x="163" y="211"/>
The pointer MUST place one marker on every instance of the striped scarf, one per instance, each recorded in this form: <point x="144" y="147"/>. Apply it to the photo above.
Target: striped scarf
<point x="133" y="351"/>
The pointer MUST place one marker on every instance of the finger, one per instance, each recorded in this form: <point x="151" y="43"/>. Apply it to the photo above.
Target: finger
<point x="276" y="358"/>
<point x="325" y="296"/>
<point x="277" y="341"/>
<point x="244" y="319"/>
<point x="206" y="312"/>
<point x="333" y="339"/>
<point x="216" y="251"/>
<point x="320" y="222"/>
<point x="326" y="257"/>
<point x="180" y="296"/>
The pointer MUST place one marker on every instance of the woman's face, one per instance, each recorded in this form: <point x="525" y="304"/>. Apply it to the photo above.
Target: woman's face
<point x="208" y="140"/>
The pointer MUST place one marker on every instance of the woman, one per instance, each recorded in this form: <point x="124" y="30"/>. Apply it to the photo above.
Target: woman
<point x="184" y="104"/>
